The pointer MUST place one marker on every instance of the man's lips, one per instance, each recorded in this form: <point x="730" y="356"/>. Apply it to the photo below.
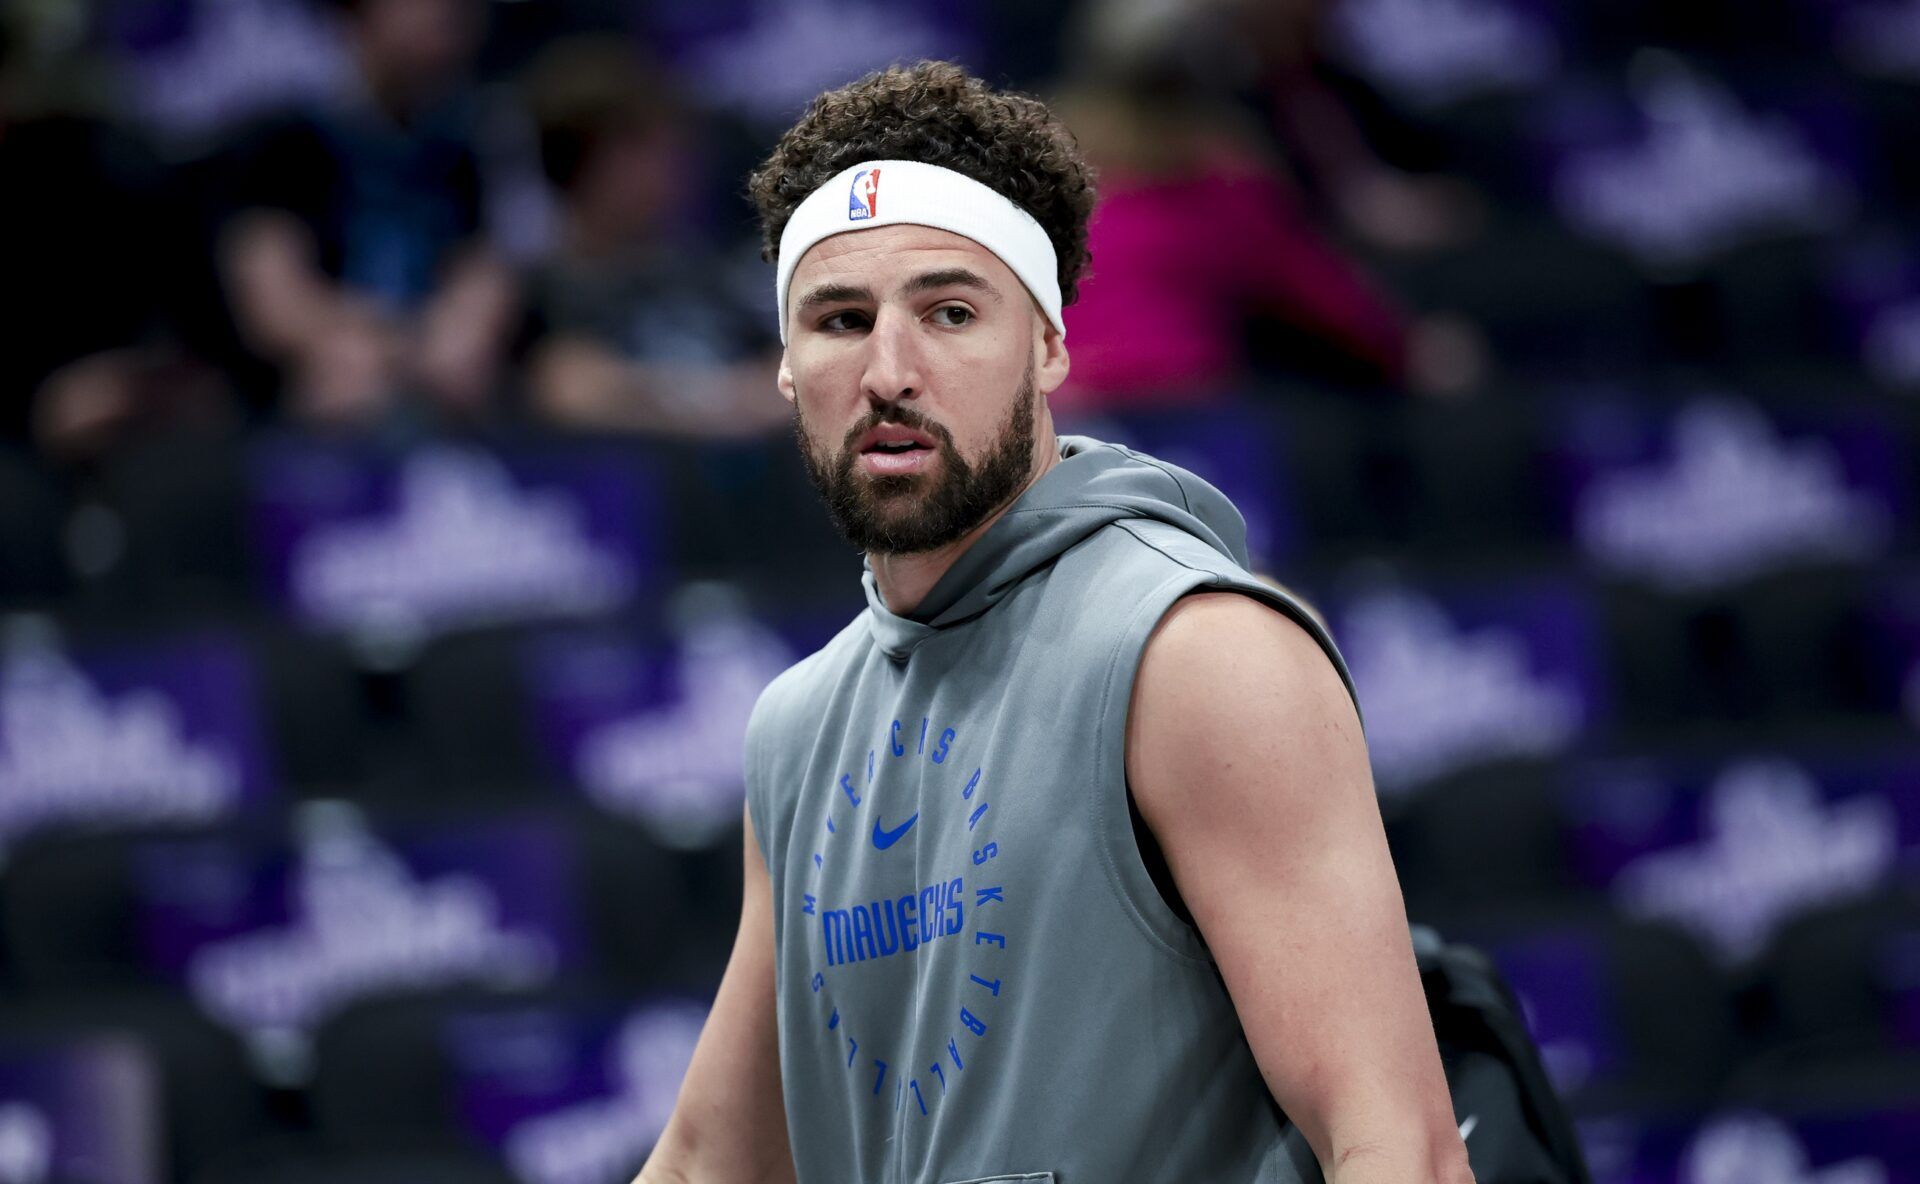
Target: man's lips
<point x="894" y="464"/>
<point x="892" y="438"/>
<point x="893" y="450"/>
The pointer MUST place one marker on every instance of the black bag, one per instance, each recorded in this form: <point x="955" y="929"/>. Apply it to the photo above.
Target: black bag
<point x="1516" y="1130"/>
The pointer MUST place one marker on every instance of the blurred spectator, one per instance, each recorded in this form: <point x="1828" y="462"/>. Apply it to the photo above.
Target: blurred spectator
<point x="93" y="252"/>
<point x="352" y="254"/>
<point x="1198" y="236"/>
<point x="627" y="326"/>
<point x="1359" y="162"/>
<point x="1167" y="312"/>
<point x="1334" y="127"/>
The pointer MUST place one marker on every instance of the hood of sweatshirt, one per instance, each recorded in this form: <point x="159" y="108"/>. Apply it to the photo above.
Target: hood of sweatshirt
<point x="1094" y="484"/>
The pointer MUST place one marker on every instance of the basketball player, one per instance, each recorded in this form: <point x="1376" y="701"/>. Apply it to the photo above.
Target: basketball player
<point x="1063" y="862"/>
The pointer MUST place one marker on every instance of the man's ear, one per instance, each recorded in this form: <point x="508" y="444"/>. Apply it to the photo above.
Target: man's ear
<point x="785" y="379"/>
<point x="1052" y="362"/>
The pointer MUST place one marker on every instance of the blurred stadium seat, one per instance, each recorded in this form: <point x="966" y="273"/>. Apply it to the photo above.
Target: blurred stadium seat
<point x="1629" y="1016"/>
<point x="32" y="564"/>
<point x="1846" y="979"/>
<point x="292" y="1162"/>
<point x="558" y="1084"/>
<point x="177" y="1090"/>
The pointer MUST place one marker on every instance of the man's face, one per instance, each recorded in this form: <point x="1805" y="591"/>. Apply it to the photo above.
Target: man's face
<point x="915" y="362"/>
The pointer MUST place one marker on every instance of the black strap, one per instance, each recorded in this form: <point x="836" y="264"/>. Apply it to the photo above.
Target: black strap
<point x="1474" y="1007"/>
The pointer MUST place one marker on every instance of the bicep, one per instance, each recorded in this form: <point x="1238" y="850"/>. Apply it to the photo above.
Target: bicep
<point x="730" y="1121"/>
<point x="1246" y="760"/>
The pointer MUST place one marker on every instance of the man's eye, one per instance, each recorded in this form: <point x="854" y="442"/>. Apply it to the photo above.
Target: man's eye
<point x="956" y="315"/>
<point x="844" y="319"/>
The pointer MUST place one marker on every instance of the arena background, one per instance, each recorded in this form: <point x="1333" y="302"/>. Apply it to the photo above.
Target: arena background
<point x="397" y="522"/>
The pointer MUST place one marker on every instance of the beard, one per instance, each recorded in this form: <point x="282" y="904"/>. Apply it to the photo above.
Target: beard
<point x="911" y="513"/>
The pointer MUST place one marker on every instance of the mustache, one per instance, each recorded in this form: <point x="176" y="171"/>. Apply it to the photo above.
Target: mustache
<point x="896" y="416"/>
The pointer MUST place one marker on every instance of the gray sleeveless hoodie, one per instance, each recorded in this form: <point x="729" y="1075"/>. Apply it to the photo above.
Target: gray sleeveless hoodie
<point x="977" y="976"/>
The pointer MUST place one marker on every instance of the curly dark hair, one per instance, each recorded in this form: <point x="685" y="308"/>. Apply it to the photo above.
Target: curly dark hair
<point x="936" y="113"/>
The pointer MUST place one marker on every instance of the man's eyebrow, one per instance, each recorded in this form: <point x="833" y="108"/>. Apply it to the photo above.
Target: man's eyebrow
<point x="836" y="294"/>
<point x="948" y="277"/>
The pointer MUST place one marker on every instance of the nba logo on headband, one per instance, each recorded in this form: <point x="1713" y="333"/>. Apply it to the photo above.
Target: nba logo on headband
<point x="921" y="194"/>
<point x="863" y="199"/>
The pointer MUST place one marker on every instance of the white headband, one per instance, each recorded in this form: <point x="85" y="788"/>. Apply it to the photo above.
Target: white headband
<point x="891" y="192"/>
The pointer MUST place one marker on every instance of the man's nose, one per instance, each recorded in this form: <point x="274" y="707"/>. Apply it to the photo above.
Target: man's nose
<point x="894" y="362"/>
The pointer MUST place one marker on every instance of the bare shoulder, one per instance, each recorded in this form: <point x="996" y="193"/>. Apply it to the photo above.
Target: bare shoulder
<point x="1229" y="685"/>
<point x="1210" y="644"/>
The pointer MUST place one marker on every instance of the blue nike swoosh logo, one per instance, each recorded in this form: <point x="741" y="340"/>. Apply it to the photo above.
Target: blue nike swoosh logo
<point x="887" y="838"/>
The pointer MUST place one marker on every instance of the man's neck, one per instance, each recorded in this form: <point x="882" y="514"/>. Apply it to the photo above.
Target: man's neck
<point x="905" y="580"/>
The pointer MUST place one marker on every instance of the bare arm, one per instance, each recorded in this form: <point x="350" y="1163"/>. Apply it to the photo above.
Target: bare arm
<point x="581" y="382"/>
<point x="1245" y="757"/>
<point x="281" y="299"/>
<point x="730" y="1124"/>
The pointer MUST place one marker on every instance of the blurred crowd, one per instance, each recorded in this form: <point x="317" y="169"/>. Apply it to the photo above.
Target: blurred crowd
<point x="392" y="216"/>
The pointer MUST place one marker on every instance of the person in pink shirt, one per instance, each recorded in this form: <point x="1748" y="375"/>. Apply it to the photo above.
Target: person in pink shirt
<point x="1198" y="236"/>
